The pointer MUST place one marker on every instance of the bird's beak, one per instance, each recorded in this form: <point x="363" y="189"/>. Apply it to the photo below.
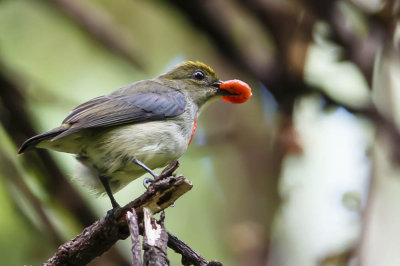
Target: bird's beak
<point x="220" y="91"/>
<point x="216" y="84"/>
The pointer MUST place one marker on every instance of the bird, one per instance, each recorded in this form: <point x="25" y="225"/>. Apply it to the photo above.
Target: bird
<point x="139" y="127"/>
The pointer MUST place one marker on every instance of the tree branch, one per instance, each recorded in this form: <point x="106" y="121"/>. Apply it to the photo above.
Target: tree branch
<point x="105" y="232"/>
<point x="133" y="224"/>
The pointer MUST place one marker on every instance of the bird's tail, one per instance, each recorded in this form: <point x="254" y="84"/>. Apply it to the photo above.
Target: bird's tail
<point x="32" y="142"/>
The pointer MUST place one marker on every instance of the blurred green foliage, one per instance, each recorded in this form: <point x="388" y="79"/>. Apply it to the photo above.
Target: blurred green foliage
<point x="293" y="177"/>
<point x="60" y="66"/>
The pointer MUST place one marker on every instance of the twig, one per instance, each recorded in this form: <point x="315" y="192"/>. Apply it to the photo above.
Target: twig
<point x="133" y="224"/>
<point x="155" y="240"/>
<point x="189" y="256"/>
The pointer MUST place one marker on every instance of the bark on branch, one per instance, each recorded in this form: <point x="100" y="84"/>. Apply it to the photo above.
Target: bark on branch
<point x="133" y="224"/>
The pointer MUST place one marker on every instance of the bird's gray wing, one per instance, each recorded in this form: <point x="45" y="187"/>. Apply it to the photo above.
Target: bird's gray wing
<point x="114" y="110"/>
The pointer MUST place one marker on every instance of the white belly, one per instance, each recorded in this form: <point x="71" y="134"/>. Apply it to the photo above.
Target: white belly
<point x="155" y="144"/>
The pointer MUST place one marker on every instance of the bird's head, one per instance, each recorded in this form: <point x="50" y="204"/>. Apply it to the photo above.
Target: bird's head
<point x="202" y="84"/>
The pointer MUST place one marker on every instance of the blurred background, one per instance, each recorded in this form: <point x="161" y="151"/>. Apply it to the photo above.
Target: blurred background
<point x="305" y="173"/>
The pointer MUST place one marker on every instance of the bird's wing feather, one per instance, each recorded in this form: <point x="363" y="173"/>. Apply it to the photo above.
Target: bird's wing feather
<point x="117" y="109"/>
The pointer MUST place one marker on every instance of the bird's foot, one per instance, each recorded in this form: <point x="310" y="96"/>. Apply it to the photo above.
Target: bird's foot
<point x="110" y="213"/>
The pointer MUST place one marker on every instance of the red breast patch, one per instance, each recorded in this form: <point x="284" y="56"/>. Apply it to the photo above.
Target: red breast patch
<point x="194" y="130"/>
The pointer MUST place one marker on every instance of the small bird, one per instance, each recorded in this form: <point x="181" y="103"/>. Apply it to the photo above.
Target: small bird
<point x="138" y="127"/>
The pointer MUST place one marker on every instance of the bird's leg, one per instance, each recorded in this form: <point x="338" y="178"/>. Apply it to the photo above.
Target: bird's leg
<point x="136" y="161"/>
<point x="146" y="180"/>
<point x="106" y="186"/>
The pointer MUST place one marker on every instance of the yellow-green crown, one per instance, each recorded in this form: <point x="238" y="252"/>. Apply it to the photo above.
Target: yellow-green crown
<point x="196" y="65"/>
<point x="187" y="68"/>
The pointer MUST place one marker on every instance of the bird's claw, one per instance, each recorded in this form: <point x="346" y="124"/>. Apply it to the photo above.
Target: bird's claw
<point x="146" y="181"/>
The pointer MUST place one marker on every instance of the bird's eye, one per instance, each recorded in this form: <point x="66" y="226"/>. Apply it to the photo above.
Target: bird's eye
<point x="198" y="75"/>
